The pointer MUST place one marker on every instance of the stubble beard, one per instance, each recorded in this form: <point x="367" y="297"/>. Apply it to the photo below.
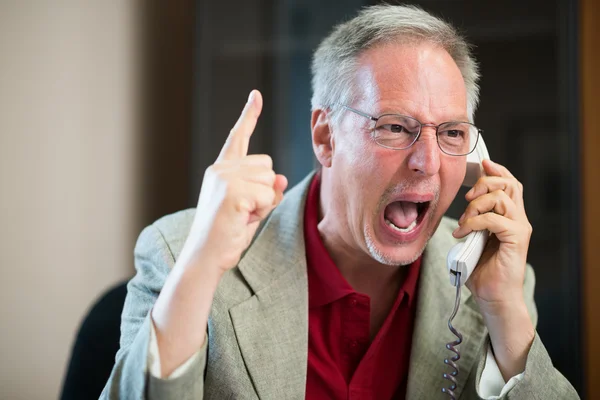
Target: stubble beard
<point x="385" y="259"/>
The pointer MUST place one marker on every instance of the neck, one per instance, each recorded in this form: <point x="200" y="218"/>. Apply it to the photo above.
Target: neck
<point x="361" y="271"/>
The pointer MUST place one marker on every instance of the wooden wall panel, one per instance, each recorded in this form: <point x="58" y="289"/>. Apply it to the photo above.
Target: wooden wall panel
<point x="168" y="29"/>
<point x="590" y="147"/>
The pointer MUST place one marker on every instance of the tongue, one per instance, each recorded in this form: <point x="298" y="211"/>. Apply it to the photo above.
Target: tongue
<point x="401" y="213"/>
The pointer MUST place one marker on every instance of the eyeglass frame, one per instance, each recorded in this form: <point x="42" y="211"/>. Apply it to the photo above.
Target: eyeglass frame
<point x="421" y="125"/>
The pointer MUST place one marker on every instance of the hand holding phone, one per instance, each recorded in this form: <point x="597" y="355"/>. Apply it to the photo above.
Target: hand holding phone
<point x="495" y="206"/>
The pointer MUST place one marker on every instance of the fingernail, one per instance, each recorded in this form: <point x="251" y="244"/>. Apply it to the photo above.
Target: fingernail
<point x="456" y="230"/>
<point x="460" y="220"/>
<point x="251" y="97"/>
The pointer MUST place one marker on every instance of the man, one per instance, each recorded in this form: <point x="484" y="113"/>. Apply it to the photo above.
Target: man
<point x="339" y="288"/>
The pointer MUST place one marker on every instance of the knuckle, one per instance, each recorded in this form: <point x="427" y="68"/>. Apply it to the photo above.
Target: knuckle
<point x="242" y="204"/>
<point x="516" y="183"/>
<point x="267" y="160"/>
<point x="503" y="196"/>
<point x="471" y="209"/>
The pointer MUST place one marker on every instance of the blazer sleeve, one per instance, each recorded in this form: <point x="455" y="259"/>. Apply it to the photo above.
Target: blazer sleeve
<point x="130" y="378"/>
<point x="540" y="379"/>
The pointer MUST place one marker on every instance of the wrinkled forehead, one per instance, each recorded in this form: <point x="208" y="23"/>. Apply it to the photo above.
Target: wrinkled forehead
<point x="417" y="78"/>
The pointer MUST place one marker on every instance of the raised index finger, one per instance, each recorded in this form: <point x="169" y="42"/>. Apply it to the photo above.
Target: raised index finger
<point x="238" y="140"/>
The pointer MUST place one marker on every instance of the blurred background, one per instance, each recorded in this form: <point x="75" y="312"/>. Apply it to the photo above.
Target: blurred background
<point x="110" y="111"/>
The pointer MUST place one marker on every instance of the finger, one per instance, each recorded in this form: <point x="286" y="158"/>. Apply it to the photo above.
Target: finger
<point x="497" y="201"/>
<point x="494" y="169"/>
<point x="488" y="184"/>
<point x="258" y="174"/>
<point x="278" y="198"/>
<point x="231" y="171"/>
<point x="505" y="229"/>
<point x="260" y="213"/>
<point x="281" y="183"/>
<point x="258" y="159"/>
<point x="238" y="140"/>
<point x="254" y="199"/>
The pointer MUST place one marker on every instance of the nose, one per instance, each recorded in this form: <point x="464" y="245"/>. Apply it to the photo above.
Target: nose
<point x="425" y="155"/>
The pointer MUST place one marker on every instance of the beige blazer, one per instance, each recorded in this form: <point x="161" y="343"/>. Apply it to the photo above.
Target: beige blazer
<point x="258" y="327"/>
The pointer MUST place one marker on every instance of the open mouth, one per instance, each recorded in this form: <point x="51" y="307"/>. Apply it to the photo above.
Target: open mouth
<point x="404" y="216"/>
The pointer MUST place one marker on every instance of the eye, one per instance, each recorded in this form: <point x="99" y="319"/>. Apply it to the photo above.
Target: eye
<point x="454" y="133"/>
<point x="396" y="125"/>
<point x="396" y="128"/>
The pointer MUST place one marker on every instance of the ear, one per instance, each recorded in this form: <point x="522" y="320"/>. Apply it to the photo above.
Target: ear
<point x="322" y="137"/>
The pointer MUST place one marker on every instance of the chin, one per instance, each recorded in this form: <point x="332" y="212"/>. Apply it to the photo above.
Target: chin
<point x="403" y="254"/>
<point x="389" y="247"/>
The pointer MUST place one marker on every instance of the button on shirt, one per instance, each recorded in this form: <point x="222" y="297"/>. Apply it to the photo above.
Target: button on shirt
<point x="343" y="363"/>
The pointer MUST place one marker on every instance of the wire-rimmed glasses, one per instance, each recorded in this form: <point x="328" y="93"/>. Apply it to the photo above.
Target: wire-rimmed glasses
<point x="399" y="132"/>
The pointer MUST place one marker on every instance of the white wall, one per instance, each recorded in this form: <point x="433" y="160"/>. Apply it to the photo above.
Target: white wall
<point x="68" y="132"/>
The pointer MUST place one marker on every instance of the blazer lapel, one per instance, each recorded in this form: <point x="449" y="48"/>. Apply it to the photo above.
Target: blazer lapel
<point x="435" y="303"/>
<point x="272" y="326"/>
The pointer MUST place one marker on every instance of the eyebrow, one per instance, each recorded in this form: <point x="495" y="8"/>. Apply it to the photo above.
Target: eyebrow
<point x="396" y="112"/>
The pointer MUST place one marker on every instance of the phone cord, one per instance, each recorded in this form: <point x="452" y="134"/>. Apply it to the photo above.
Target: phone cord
<point x="452" y="346"/>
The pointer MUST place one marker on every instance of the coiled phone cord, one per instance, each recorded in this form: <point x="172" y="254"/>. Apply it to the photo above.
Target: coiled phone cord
<point x="452" y="346"/>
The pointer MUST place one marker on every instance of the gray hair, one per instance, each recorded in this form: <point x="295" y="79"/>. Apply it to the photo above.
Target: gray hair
<point x="335" y="60"/>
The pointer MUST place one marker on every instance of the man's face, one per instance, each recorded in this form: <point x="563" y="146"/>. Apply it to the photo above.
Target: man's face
<point x="387" y="203"/>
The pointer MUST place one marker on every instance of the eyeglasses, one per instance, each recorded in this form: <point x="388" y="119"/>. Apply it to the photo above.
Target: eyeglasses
<point x="399" y="132"/>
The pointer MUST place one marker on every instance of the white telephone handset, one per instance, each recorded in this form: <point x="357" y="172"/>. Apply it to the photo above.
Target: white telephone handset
<point x="462" y="260"/>
<point x="464" y="256"/>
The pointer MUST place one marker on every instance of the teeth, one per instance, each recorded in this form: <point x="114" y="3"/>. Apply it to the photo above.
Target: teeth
<point x="403" y="230"/>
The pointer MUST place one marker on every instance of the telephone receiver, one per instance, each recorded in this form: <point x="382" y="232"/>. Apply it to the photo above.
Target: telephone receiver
<point x="464" y="256"/>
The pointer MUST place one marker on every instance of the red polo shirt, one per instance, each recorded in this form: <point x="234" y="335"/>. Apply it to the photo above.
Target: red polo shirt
<point x="343" y="363"/>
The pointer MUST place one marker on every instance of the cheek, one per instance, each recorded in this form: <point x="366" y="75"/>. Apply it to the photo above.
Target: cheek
<point x="452" y="172"/>
<point x="366" y="169"/>
<point x="355" y="156"/>
<point x="361" y="172"/>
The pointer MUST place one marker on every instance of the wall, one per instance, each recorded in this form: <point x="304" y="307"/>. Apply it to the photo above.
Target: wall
<point x="68" y="123"/>
<point x="590" y="163"/>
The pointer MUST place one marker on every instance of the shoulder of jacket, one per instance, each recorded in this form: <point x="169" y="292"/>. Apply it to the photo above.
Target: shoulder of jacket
<point x="174" y="228"/>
